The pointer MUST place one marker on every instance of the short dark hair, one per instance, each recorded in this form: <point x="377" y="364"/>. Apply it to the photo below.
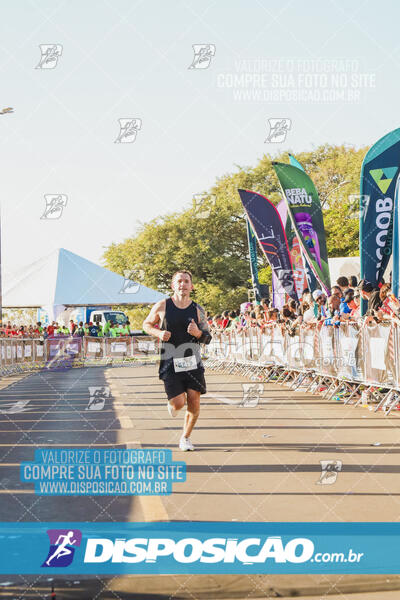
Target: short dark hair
<point x="342" y="281"/>
<point x="349" y="295"/>
<point x="365" y="286"/>
<point x="353" y="281"/>
<point x="182" y="271"/>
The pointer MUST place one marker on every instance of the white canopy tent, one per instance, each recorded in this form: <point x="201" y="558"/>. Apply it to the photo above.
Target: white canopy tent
<point x="65" y="279"/>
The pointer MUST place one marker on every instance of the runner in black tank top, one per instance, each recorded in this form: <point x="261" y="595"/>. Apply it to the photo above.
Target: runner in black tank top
<point x="176" y="320"/>
<point x="183" y="328"/>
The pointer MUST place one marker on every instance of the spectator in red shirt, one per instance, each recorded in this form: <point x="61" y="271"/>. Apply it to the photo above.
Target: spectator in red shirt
<point x="14" y="331"/>
<point x="225" y="319"/>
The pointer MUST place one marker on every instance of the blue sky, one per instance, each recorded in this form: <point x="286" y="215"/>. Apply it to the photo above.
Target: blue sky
<point x="127" y="59"/>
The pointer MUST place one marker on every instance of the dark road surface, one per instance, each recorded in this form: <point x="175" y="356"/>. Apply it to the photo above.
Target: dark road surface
<point x="259" y="463"/>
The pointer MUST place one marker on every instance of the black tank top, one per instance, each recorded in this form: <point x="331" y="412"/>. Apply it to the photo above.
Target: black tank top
<point x="181" y="344"/>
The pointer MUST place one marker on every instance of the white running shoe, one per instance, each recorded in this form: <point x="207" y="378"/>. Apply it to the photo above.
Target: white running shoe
<point x="185" y="444"/>
<point x="172" y="411"/>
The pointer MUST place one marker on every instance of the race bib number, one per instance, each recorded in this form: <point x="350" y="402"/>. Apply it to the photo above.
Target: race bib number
<point x="185" y="364"/>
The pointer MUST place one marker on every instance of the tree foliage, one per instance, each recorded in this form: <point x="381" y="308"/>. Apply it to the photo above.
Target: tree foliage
<point x="214" y="246"/>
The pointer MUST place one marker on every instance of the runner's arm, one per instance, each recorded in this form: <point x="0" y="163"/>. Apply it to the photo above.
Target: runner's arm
<point x="205" y="337"/>
<point x="153" y="319"/>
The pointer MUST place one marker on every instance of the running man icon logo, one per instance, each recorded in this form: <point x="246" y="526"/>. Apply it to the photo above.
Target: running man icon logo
<point x="251" y="394"/>
<point x="50" y="54"/>
<point x="130" y="286"/>
<point x="62" y="547"/>
<point x="278" y="129"/>
<point x="55" y="204"/>
<point x="358" y="206"/>
<point x="329" y="471"/>
<point x="202" y="205"/>
<point x="203" y="54"/>
<point x="128" y="129"/>
<point x="98" y="396"/>
<point x="286" y="280"/>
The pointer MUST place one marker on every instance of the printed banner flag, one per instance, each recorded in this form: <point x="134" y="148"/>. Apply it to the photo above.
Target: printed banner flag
<point x="268" y="227"/>
<point x="299" y="273"/>
<point x="379" y="173"/>
<point x="396" y="242"/>
<point x="312" y="282"/>
<point x="252" y="240"/>
<point x="305" y="211"/>
<point x="295" y="163"/>
<point x="278" y="293"/>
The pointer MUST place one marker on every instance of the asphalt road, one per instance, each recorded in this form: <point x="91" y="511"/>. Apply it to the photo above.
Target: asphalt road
<point x="254" y="463"/>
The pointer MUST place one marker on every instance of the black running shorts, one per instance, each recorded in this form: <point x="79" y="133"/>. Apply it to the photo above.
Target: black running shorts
<point x="178" y="383"/>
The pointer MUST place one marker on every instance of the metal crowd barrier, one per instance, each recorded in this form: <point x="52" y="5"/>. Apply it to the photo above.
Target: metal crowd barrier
<point x="18" y="355"/>
<point x="355" y="361"/>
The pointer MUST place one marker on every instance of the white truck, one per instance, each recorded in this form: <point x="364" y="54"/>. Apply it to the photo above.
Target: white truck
<point x="93" y="314"/>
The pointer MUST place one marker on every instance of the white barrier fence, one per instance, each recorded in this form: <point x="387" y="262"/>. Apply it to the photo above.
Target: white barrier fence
<point x="361" y="358"/>
<point x="347" y="355"/>
<point x="19" y="354"/>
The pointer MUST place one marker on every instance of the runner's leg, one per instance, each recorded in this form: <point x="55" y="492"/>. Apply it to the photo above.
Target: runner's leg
<point x="192" y="411"/>
<point x="178" y="402"/>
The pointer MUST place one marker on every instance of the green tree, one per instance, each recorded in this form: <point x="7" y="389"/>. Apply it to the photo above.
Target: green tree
<point x="214" y="246"/>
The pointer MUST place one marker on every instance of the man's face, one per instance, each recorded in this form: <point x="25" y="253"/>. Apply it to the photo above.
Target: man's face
<point x="182" y="283"/>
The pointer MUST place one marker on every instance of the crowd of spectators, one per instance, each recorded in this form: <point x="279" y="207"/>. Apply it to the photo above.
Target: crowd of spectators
<point x="315" y="309"/>
<point x="56" y="330"/>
